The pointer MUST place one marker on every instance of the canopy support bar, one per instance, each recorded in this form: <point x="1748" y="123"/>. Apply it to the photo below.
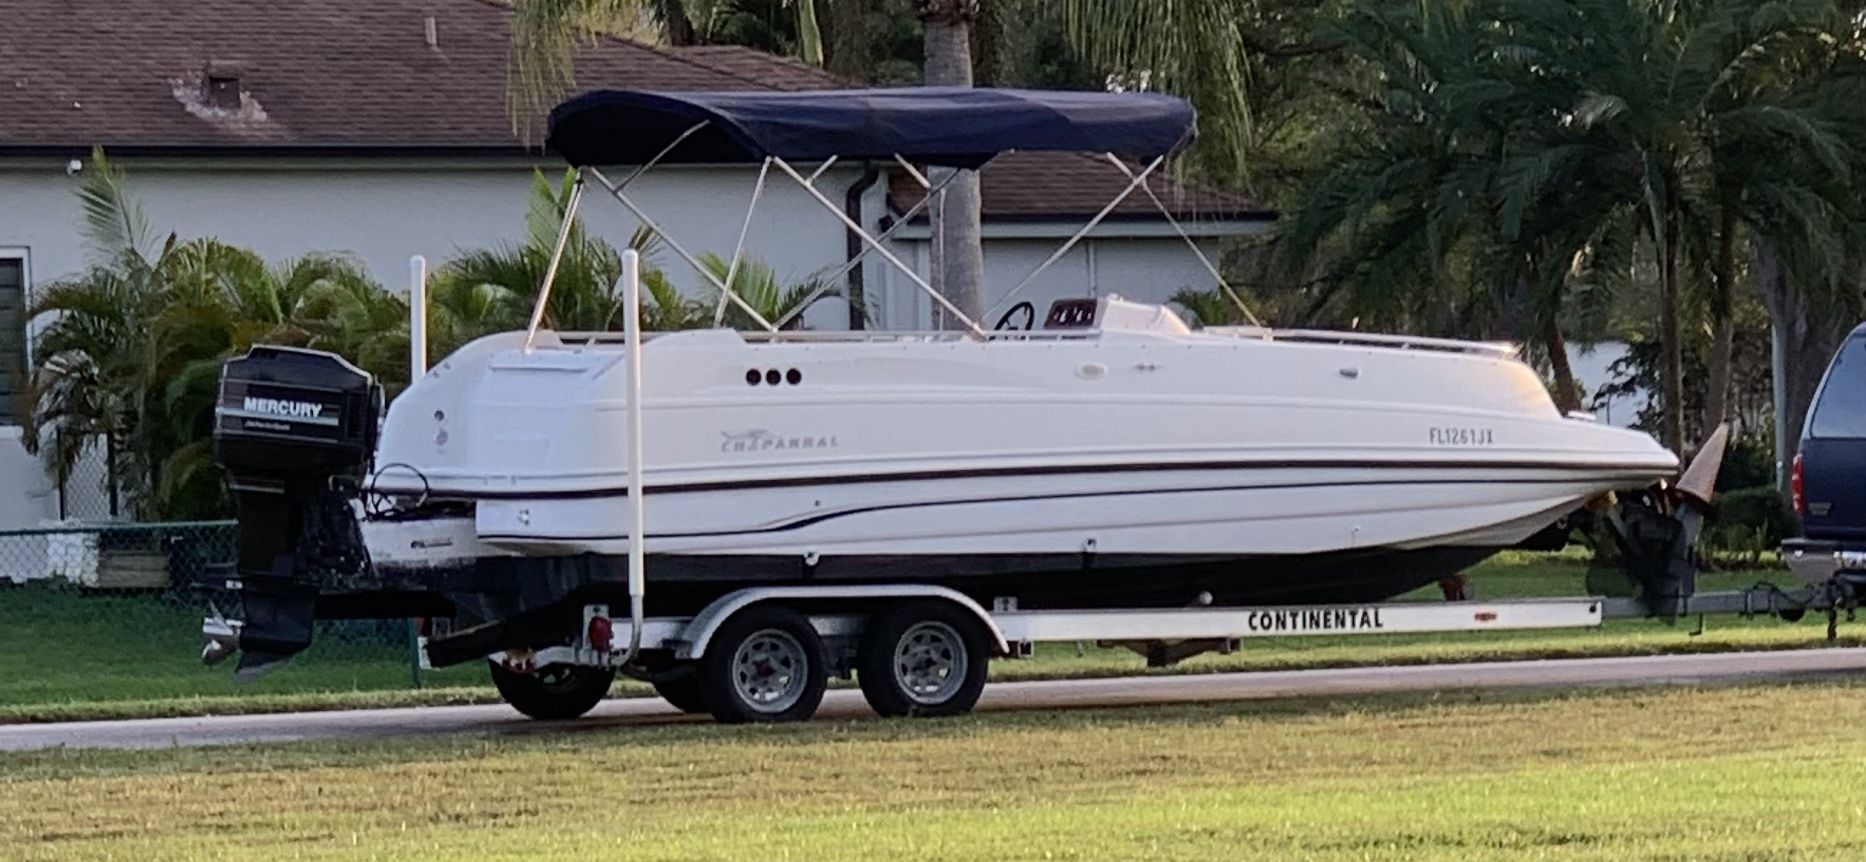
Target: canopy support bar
<point x="738" y="251"/>
<point x="830" y="278"/>
<point x="878" y="247"/>
<point x="646" y="166"/>
<point x="1196" y="251"/>
<point x="823" y="167"/>
<point x="913" y="172"/>
<point x="1134" y="182"/>
<point x="557" y="257"/>
<point x="622" y="198"/>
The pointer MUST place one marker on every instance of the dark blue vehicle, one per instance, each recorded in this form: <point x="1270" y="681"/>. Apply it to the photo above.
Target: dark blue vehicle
<point x="1828" y="477"/>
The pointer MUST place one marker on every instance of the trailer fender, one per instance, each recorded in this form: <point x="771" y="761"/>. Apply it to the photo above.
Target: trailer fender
<point x="699" y="632"/>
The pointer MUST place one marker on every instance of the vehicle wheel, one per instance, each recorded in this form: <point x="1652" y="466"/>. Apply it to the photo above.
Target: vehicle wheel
<point x="681" y="690"/>
<point x="923" y="658"/>
<point x="558" y="692"/>
<point x="765" y="664"/>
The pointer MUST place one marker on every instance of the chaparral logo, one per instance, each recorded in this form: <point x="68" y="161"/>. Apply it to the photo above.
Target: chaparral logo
<point x="761" y="440"/>
<point x="286" y="409"/>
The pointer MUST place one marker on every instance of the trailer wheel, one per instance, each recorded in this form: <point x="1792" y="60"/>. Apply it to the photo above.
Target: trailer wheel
<point x="557" y="692"/>
<point x="766" y="664"/>
<point x="682" y="691"/>
<point x="923" y="658"/>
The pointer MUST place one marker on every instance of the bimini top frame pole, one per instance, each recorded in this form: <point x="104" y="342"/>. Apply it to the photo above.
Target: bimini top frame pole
<point x="557" y="257"/>
<point x="1133" y="183"/>
<point x="1197" y="252"/>
<point x="830" y="278"/>
<point x="880" y="249"/>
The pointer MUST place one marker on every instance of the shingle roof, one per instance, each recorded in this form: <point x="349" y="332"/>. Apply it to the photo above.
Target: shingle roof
<point x="353" y="74"/>
<point x="358" y="76"/>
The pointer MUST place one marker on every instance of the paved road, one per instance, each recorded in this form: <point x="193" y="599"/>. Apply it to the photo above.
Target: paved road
<point x="498" y="720"/>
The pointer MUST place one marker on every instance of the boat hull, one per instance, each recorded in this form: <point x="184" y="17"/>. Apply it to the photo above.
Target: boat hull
<point x="1239" y="535"/>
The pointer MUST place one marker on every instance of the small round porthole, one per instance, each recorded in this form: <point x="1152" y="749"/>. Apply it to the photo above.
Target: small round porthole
<point x="772" y="377"/>
<point x="793" y="376"/>
<point x="752" y="377"/>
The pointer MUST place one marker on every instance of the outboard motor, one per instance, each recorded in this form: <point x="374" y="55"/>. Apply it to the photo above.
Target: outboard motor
<point x="1655" y="534"/>
<point x="295" y="431"/>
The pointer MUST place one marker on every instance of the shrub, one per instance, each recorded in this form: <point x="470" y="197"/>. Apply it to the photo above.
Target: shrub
<point x="1751" y="521"/>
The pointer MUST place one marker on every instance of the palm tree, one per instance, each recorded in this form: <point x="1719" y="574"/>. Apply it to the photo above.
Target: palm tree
<point x="957" y="255"/>
<point x="1540" y="141"/>
<point x="1418" y="223"/>
<point x="1716" y="102"/>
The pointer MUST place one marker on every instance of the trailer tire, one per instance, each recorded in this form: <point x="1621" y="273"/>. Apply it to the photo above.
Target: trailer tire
<point x="681" y="690"/>
<point x="765" y="664"/>
<point x="925" y="658"/>
<point x="556" y="693"/>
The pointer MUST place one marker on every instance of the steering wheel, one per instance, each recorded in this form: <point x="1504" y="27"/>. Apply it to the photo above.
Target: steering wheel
<point x="1030" y="317"/>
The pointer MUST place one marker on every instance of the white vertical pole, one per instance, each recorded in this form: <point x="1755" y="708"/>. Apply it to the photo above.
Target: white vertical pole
<point x="631" y="331"/>
<point x="417" y="318"/>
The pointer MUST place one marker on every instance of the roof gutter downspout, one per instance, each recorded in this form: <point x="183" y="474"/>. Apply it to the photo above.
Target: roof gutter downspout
<point x="852" y="244"/>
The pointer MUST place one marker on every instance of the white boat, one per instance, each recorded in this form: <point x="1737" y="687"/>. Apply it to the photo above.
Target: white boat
<point x="1132" y="460"/>
<point x="1112" y="454"/>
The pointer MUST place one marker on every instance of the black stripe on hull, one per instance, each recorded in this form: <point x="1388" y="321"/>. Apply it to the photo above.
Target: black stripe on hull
<point x="1592" y="469"/>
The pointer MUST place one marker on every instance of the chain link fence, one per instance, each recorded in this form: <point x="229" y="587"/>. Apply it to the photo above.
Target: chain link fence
<point x="163" y="563"/>
<point x="112" y="611"/>
<point x="89" y="492"/>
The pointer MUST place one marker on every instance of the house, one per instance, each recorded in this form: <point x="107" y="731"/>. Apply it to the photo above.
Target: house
<point x="381" y="128"/>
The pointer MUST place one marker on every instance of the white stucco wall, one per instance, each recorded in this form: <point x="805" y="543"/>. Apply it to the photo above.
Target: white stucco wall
<point x="26" y="495"/>
<point x="386" y="213"/>
<point x="1590" y="363"/>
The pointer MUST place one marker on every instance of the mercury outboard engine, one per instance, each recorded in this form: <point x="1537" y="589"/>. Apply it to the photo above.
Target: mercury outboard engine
<point x="295" y="431"/>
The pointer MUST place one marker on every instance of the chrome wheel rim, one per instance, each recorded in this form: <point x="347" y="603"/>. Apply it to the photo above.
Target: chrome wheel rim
<point x="769" y="671"/>
<point x="930" y="663"/>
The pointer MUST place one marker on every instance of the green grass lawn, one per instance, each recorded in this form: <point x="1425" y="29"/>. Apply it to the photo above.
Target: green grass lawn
<point x="69" y="656"/>
<point x="1751" y="773"/>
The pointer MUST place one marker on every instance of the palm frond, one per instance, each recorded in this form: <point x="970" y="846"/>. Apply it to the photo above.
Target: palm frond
<point x="545" y="34"/>
<point x="115" y="226"/>
<point x="1182" y="47"/>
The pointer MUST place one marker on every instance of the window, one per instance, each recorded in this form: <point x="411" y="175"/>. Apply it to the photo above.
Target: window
<point x="1842" y="408"/>
<point x="12" y="338"/>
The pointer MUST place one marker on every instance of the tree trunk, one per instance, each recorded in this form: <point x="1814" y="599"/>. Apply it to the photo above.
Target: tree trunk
<point x="675" y="23"/>
<point x="1723" y="321"/>
<point x="1806" y="337"/>
<point x="991" y="46"/>
<point x="1671" y="343"/>
<point x="958" y="253"/>
<point x="1567" y="391"/>
<point x="848" y="41"/>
